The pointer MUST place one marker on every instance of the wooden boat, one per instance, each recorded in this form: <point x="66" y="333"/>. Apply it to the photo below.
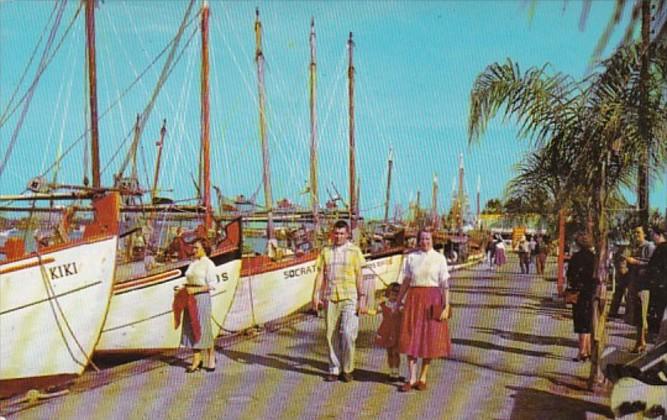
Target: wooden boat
<point x="53" y="305"/>
<point x="140" y="315"/>
<point x="54" y="299"/>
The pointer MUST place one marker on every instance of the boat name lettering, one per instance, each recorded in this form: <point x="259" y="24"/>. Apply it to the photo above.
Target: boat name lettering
<point x="296" y="272"/>
<point x="222" y="277"/>
<point x="63" y="270"/>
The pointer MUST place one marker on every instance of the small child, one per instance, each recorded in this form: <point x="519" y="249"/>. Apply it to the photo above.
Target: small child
<point x="388" y="332"/>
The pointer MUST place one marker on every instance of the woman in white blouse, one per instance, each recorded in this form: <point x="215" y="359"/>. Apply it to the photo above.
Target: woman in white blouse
<point x="200" y="277"/>
<point x="424" y="330"/>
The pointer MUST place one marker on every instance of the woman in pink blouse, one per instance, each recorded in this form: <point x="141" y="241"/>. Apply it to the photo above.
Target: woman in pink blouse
<point x="424" y="331"/>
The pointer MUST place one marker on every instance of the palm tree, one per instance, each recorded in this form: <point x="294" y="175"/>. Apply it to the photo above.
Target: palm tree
<point x="592" y="126"/>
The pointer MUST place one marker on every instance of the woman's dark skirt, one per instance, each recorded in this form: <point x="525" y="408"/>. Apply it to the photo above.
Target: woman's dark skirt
<point x="422" y="334"/>
<point x="582" y="314"/>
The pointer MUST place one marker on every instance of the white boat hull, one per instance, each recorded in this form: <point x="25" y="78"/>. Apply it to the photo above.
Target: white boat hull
<point x="379" y="273"/>
<point x="51" y="314"/>
<point x="271" y="295"/>
<point x="141" y="317"/>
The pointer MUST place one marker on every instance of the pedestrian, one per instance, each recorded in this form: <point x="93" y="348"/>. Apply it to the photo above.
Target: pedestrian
<point x="523" y="249"/>
<point x="532" y="246"/>
<point x="339" y="280"/>
<point x="542" y="251"/>
<point x="622" y="281"/>
<point x="638" y="289"/>
<point x="656" y="273"/>
<point x="424" y="331"/>
<point x="389" y="330"/>
<point x="490" y="250"/>
<point x="200" y="278"/>
<point x="500" y="257"/>
<point x="580" y="272"/>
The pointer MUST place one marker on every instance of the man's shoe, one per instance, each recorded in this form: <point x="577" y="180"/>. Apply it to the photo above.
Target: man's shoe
<point x="346" y="377"/>
<point x="330" y="378"/>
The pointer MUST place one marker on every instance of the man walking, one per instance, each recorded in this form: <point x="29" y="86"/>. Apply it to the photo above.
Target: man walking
<point x="338" y="283"/>
<point x="639" y="293"/>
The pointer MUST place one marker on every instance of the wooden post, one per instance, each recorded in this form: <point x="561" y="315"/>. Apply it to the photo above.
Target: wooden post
<point x="390" y="164"/>
<point x="156" y="175"/>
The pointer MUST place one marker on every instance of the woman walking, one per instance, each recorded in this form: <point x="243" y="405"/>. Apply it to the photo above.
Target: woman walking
<point x="580" y="273"/>
<point x="424" y="331"/>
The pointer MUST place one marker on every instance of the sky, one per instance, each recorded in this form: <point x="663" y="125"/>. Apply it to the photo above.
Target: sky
<point x="415" y="66"/>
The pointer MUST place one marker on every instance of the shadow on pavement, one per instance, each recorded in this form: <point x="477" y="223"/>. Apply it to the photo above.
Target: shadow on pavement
<point x="490" y="346"/>
<point x="297" y="364"/>
<point x="542" y="340"/>
<point x="533" y="404"/>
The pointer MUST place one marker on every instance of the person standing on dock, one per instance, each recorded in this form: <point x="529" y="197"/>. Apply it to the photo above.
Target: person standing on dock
<point x="339" y="284"/>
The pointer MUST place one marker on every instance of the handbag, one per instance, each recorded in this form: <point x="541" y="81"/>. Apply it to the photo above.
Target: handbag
<point x="436" y="310"/>
<point x="571" y="295"/>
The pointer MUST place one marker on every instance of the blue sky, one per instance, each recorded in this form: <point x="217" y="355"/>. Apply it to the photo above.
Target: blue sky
<point x="415" y="65"/>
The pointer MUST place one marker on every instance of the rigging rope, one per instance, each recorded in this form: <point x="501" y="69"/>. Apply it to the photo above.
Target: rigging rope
<point x="52" y="298"/>
<point x="116" y="101"/>
<point x="166" y="70"/>
<point x="33" y="86"/>
<point x="40" y="71"/>
<point x="27" y="67"/>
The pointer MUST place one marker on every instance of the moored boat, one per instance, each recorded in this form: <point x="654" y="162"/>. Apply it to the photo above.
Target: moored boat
<point x="54" y="302"/>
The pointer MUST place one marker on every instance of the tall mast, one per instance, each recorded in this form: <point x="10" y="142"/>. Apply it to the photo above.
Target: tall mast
<point x="479" y="183"/>
<point x="159" y="144"/>
<point x="353" y="169"/>
<point x="459" y="196"/>
<point x="314" y="197"/>
<point x="266" y="172"/>
<point x="417" y="204"/>
<point x="390" y="164"/>
<point x="434" y="207"/>
<point x="92" y="86"/>
<point x="205" y="165"/>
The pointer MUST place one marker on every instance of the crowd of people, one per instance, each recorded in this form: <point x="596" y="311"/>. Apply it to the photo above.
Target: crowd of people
<point x="415" y="313"/>
<point x="640" y="272"/>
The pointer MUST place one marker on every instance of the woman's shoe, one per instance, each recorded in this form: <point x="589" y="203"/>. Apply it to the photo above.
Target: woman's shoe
<point x="581" y="358"/>
<point x="406" y="387"/>
<point x="191" y="369"/>
<point x="420" y="386"/>
<point x="209" y="369"/>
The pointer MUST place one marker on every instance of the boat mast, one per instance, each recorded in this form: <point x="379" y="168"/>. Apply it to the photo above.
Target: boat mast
<point x="434" y="207"/>
<point x="92" y="86"/>
<point x="460" y="198"/>
<point x="314" y="195"/>
<point x="266" y="173"/>
<point x="156" y="175"/>
<point x="353" y="170"/>
<point x="390" y="164"/>
<point x="205" y="165"/>
<point x="479" y="183"/>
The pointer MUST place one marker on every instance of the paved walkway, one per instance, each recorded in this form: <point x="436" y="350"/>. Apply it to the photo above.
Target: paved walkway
<point x="512" y="350"/>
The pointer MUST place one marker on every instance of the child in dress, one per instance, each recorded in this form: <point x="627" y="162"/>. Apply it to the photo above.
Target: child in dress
<point x="388" y="332"/>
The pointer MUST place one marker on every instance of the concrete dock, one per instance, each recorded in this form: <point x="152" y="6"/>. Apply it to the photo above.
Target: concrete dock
<point x="512" y="359"/>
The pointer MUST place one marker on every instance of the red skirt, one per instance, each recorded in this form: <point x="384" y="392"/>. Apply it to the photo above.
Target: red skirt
<point x="422" y="334"/>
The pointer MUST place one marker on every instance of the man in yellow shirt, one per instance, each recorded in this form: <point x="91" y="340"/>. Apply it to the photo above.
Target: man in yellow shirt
<point x="339" y="272"/>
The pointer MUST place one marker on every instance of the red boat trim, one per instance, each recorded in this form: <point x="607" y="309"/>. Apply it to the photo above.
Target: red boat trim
<point x="47" y="260"/>
<point x="145" y="281"/>
<point x="60" y="247"/>
<point x="251" y="266"/>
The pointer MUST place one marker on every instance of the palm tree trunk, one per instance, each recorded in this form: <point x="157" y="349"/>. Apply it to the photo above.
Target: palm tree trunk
<point x="642" y="172"/>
